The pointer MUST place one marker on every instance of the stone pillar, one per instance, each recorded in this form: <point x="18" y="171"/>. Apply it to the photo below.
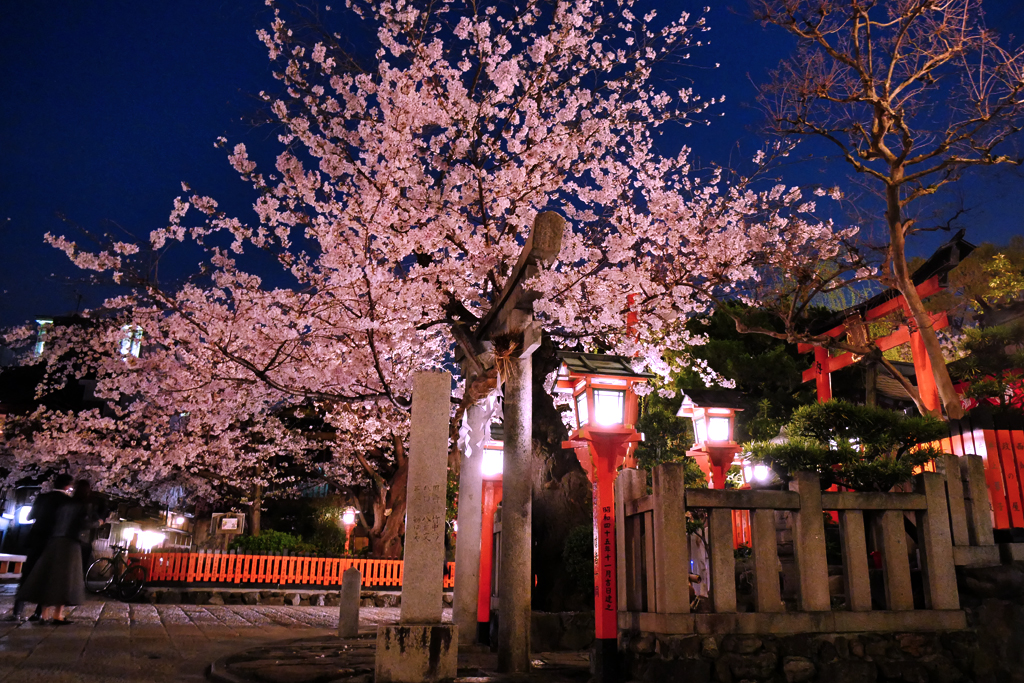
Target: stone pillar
<point x="515" y="582"/>
<point x="348" y="608"/>
<point x="419" y="648"/>
<point x="895" y="566"/>
<point x="671" y="546"/>
<point x="476" y="428"/>
<point x="933" y="536"/>
<point x="979" y="508"/>
<point x="809" y="544"/>
<point x="723" y="561"/>
<point x="855" y="559"/>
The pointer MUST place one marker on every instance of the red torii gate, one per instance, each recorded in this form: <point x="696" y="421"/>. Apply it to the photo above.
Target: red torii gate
<point x="825" y="364"/>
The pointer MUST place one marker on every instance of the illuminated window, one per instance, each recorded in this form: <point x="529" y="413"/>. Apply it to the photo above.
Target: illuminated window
<point x="609" y="406"/>
<point x="700" y="432"/>
<point x="582" y="417"/>
<point x="718" y="429"/>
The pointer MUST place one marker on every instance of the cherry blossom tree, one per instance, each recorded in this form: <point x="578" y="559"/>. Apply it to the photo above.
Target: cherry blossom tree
<point x="911" y="94"/>
<point x="404" y="191"/>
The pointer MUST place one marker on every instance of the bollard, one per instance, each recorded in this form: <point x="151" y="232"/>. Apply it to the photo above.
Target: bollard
<point x="348" y="610"/>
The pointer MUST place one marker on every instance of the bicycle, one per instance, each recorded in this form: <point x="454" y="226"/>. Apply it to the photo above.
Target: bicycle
<point x="116" y="574"/>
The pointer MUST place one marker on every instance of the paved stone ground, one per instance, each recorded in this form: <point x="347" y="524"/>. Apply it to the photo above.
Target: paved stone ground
<point x="111" y="641"/>
<point x="329" y="660"/>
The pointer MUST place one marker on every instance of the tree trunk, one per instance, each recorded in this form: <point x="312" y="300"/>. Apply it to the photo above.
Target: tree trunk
<point x="561" y="495"/>
<point x="255" y="509"/>
<point x="388" y="531"/>
<point x="904" y="282"/>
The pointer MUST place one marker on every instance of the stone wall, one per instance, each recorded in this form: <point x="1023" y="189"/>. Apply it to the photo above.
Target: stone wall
<point x="990" y="651"/>
<point x="805" y="658"/>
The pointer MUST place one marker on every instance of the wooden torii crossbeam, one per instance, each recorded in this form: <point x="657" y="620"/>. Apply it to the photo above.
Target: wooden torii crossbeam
<point x="930" y="279"/>
<point x="825" y="364"/>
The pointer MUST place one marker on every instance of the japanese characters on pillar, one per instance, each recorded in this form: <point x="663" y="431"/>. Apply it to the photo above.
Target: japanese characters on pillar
<point x="604" y="585"/>
<point x="605" y="409"/>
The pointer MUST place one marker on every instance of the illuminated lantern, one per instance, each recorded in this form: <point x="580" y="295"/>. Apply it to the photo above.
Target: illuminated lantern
<point x="605" y="409"/>
<point x="348" y="520"/>
<point x="713" y="412"/>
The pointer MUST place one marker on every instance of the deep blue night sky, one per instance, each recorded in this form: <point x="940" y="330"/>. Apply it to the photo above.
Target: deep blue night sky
<point x="105" y="108"/>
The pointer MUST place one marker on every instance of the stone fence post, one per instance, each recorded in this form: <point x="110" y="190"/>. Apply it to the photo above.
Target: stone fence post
<point x="671" y="545"/>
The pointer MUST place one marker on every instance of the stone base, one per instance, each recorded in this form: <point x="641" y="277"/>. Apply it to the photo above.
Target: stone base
<point x="417" y="653"/>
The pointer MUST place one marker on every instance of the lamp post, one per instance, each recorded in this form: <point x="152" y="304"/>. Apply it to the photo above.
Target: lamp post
<point x="605" y="409"/>
<point x="491" y="467"/>
<point x="713" y="412"/>
<point x="348" y="520"/>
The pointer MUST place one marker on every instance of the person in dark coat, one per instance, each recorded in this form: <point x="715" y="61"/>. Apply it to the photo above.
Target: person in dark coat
<point x="58" y="579"/>
<point x="44" y="512"/>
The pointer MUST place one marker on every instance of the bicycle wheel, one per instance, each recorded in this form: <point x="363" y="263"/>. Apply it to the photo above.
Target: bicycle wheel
<point x="100" y="575"/>
<point x="131" y="582"/>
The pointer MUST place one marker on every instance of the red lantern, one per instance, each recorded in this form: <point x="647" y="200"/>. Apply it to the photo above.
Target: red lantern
<point x="713" y="412"/>
<point x="605" y="409"/>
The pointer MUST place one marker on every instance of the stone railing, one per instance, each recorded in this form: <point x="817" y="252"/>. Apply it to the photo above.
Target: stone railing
<point x="653" y="558"/>
<point x="970" y="510"/>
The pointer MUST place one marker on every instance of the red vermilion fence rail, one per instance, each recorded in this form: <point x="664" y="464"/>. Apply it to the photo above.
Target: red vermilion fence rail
<point x="228" y="568"/>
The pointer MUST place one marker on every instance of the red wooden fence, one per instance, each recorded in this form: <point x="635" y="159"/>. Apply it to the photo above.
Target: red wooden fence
<point x="226" y="568"/>
<point x="1003" y="453"/>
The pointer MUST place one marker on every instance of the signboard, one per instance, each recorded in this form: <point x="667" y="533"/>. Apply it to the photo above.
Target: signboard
<point x="227" y="523"/>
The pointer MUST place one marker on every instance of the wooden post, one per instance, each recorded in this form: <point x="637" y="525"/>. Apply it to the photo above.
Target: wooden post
<point x="723" y="560"/>
<point x="855" y="559"/>
<point x="628" y="486"/>
<point x="976" y="502"/>
<point x="766" y="561"/>
<point x="822" y="375"/>
<point x="671" y="547"/>
<point x="936" y="547"/>
<point x="895" y="562"/>
<point x="809" y="544"/>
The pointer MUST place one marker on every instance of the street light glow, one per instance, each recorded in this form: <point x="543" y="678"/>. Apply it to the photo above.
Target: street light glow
<point x="23" y="513"/>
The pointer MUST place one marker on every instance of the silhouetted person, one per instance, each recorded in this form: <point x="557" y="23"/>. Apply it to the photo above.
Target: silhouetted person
<point x="58" y="579"/>
<point x="44" y="512"/>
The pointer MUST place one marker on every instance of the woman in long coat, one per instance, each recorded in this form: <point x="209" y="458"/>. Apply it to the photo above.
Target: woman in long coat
<point x="58" y="578"/>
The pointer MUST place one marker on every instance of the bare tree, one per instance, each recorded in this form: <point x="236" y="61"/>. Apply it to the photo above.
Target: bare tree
<point x="912" y="93"/>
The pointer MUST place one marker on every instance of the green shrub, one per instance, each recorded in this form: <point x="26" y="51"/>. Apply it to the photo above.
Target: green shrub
<point x="865" y="448"/>
<point x="270" y="542"/>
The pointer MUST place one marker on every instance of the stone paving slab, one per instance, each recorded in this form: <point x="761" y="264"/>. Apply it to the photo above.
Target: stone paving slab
<point x="110" y="641"/>
<point x="328" y="659"/>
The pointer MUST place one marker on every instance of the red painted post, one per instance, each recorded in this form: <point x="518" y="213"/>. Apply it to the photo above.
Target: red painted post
<point x="926" y="386"/>
<point x="601" y="454"/>
<point x="605" y="597"/>
<point x="491" y="498"/>
<point x="823" y="377"/>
